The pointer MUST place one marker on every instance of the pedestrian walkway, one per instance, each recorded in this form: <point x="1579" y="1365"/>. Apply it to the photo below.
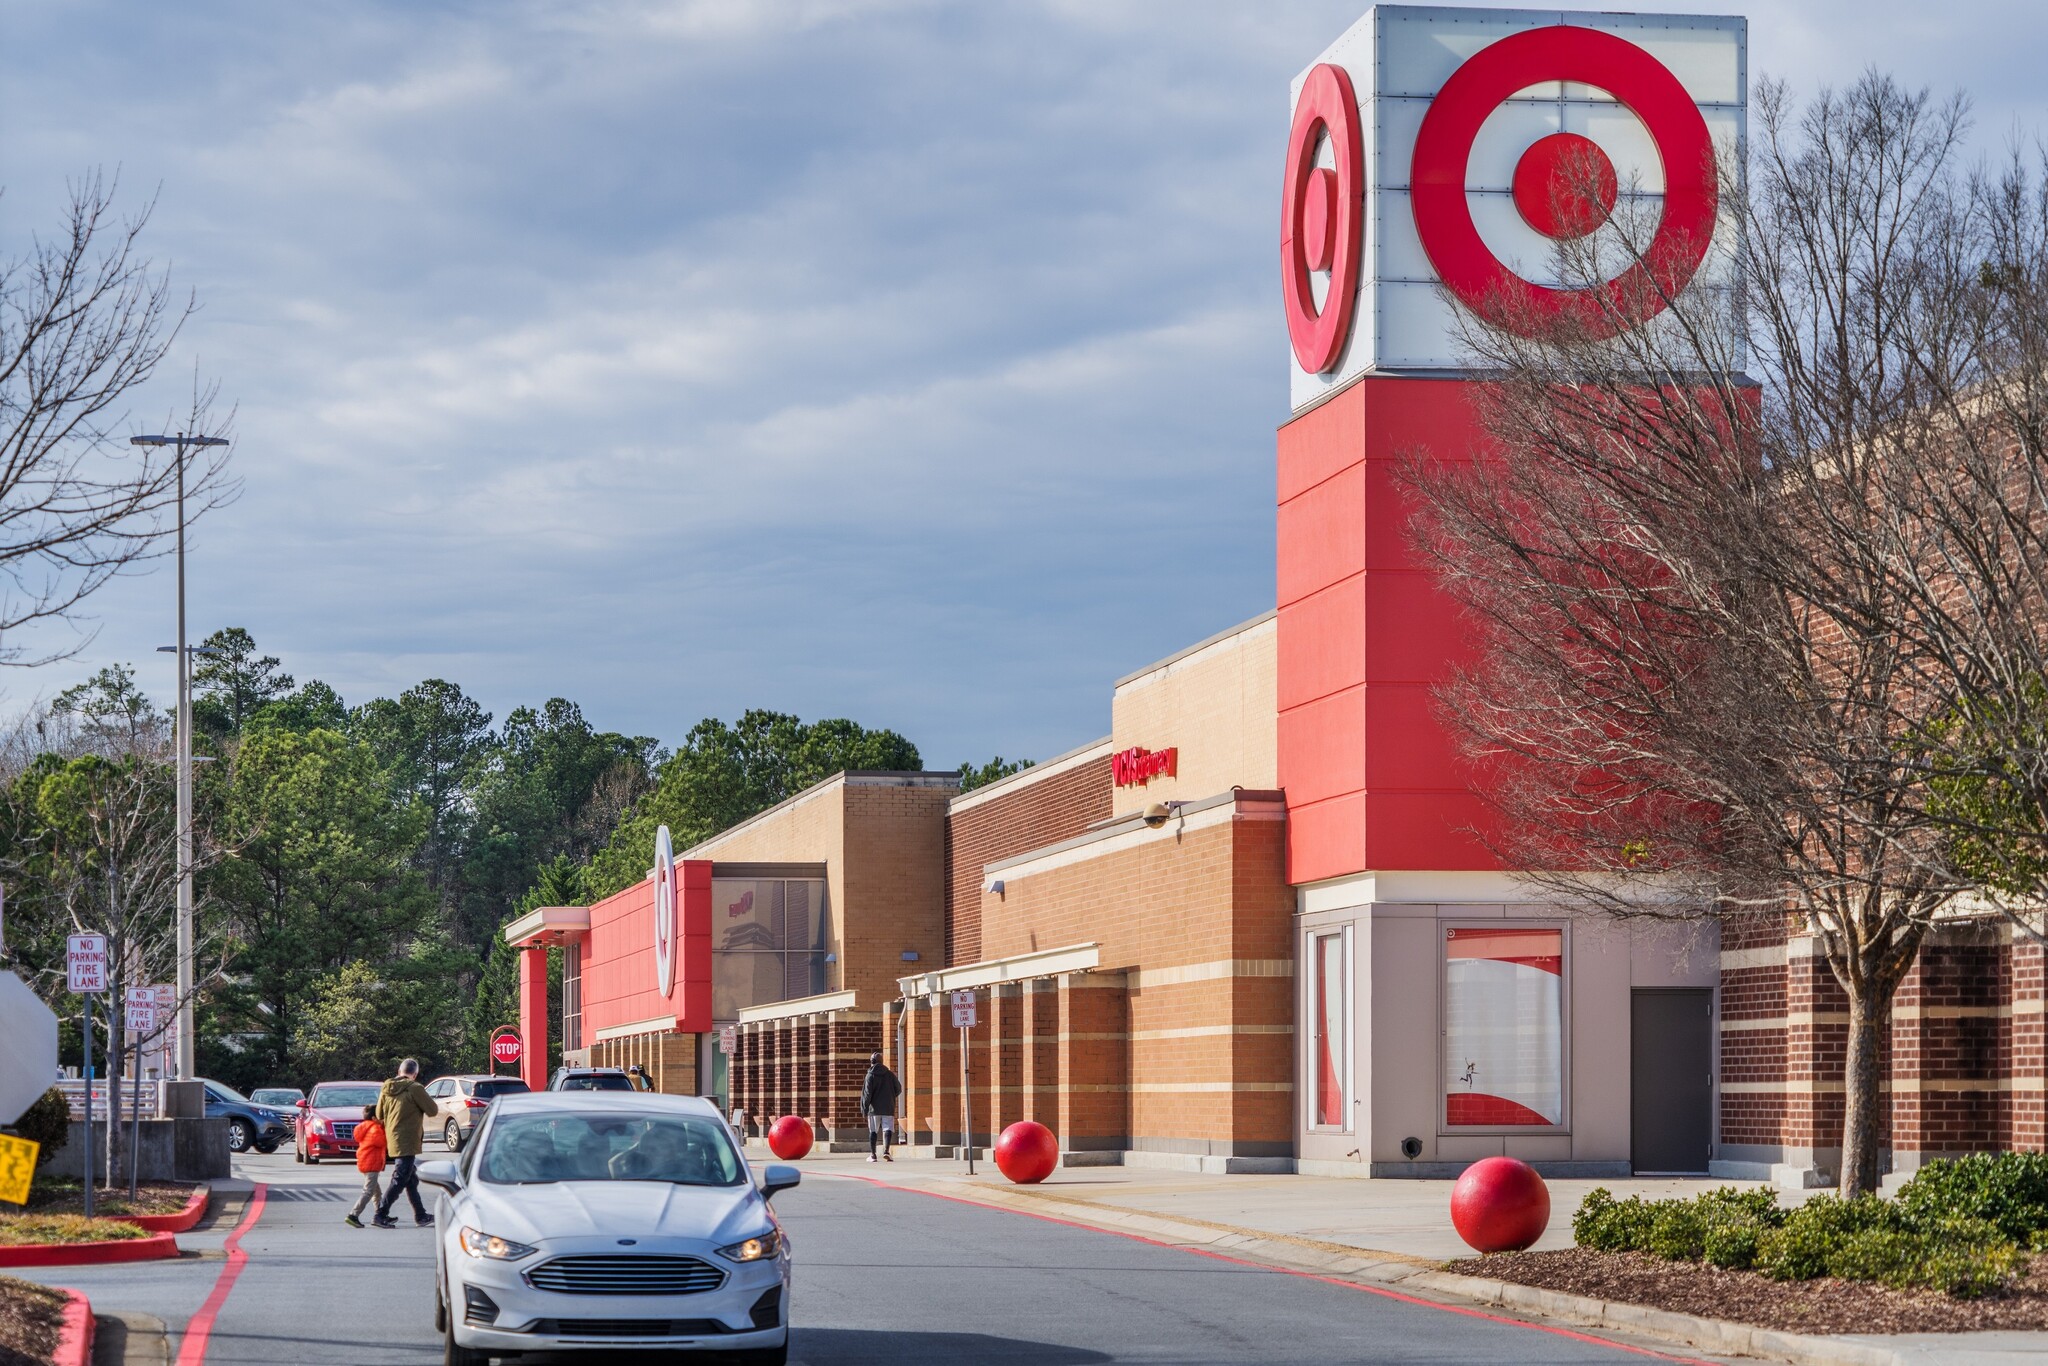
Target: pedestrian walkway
<point x="1376" y="1230"/>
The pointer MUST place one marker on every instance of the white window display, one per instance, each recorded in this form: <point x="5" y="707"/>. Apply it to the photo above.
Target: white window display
<point x="1504" y="1036"/>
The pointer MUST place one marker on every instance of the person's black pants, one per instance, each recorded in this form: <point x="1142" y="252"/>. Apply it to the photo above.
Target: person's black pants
<point x="404" y="1177"/>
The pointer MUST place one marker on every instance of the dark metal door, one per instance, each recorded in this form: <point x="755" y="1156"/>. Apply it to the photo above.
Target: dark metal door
<point x="1671" y="1080"/>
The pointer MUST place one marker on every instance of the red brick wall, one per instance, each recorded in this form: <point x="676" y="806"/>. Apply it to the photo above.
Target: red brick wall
<point x="1033" y="814"/>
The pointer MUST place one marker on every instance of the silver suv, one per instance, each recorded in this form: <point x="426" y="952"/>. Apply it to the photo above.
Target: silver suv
<point x="460" y="1102"/>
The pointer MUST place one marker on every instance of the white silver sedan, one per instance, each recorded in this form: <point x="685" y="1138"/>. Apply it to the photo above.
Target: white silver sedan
<point x="611" y="1222"/>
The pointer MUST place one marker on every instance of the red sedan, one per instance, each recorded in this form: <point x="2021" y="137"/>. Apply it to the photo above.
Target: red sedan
<point x="328" y="1118"/>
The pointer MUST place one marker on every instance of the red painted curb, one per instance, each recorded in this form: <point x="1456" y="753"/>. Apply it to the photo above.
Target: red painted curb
<point x="74" y="1339"/>
<point x="199" y="1328"/>
<point x="194" y="1211"/>
<point x="84" y="1254"/>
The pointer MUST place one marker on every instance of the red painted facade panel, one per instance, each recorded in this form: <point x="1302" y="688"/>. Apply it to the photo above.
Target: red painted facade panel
<point x="1321" y="644"/>
<point x="533" y="1017"/>
<point x="619" y="986"/>
<point x="1324" y="526"/>
<point x="1372" y="778"/>
<point x="1321" y="442"/>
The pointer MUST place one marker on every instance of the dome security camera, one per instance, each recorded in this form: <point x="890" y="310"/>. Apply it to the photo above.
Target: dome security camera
<point x="1156" y="814"/>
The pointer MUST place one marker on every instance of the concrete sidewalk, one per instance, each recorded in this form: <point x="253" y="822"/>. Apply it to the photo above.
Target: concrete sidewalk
<point x="1384" y="1231"/>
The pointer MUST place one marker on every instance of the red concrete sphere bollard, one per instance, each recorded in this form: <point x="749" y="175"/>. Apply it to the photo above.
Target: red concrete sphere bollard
<point x="1500" y="1205"/>
<point x="1027" y="1152"/>
<point x="789" y="1138"/>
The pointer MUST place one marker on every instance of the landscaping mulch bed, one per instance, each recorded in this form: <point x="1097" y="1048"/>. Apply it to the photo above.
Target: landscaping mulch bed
<point x="30" y="1317"/>
<point x="68" y="1197"/>
<point x="17" y="1230"/>
<point x="1820" y="1306"/>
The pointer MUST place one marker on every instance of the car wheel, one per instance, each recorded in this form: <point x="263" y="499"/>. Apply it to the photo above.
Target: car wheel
<point x="452" y="1136"/>
<point x="298" y="1153"/>
<point x="454" y="1353"/>
<point x="267" y="1148"/>
<point x="241" y="1135"/>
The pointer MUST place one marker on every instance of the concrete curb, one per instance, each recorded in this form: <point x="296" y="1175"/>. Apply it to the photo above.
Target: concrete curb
<point x="147" y="1248"/>
<point x="74" y="1339"/>
<point x="194" y="1211"/>
<point x="1419" y="1275"/>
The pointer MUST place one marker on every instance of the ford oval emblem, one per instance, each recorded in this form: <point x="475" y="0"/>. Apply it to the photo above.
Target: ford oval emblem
<point x="627" y="1242"/>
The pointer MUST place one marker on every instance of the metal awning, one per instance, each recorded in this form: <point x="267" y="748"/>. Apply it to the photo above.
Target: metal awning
<point x="549" y="925"/>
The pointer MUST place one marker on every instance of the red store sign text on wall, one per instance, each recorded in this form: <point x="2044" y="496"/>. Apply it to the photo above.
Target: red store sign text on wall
<point x="1137" y="766"/>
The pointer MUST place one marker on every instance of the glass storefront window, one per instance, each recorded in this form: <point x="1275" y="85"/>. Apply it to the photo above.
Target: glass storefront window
<point x="769" y="938"/>
<point x="1503" y="1027"/>
<point x="1329" y="1074"/>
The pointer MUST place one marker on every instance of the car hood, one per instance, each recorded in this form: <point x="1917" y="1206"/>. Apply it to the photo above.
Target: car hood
<point x="631" y="1209"/>
<point x="337" y="1112"/>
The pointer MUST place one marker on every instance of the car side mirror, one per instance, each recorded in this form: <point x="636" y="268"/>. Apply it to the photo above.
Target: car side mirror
<point x="779" y="1177"/>
<point x="442" y="1173"/>
<point x="303" y="1103"/>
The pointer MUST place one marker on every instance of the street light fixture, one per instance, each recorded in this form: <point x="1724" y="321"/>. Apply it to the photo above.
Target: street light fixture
<point x="188" y="1061"/>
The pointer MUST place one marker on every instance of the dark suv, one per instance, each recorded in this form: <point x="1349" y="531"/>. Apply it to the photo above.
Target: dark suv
<point x="250" y="1125"/>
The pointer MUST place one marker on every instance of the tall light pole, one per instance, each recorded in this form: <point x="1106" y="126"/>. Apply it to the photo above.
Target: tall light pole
<point x="188" y="1062"/>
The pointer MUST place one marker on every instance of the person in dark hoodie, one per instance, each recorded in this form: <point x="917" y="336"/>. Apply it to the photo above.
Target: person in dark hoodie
<point x="402" y="1108"/>
<point x="879" y="1091"/>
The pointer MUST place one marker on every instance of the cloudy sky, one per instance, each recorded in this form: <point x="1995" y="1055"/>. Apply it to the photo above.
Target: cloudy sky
<point x="914" y="362"/>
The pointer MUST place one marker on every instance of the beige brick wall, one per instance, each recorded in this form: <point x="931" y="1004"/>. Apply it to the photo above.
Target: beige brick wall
<point x="1217" y="705"/>
<point x="882" y="840"/>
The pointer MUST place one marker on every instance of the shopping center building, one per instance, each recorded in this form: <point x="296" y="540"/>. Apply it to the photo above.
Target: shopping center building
<point x="1257" y="926"/>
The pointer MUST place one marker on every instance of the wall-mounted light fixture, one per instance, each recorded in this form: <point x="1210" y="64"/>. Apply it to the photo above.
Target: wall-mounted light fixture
<point x="831" y="957"/>
<point x="995" y="884"/>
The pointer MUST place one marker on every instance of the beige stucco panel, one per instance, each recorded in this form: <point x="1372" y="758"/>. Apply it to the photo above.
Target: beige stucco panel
<point x="1218" y="706"/>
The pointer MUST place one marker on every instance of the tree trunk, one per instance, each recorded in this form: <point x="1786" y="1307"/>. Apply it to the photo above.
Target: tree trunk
<point x="1863" y="1111"/>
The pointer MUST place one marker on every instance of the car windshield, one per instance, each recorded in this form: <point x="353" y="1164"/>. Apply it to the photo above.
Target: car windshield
<point x="688" y="1150"/>
<point x="503" y="1087"/>
<point x="595" y="1081"/>
<point x="345" y="1095"/>
<point x="276" y="1095"/>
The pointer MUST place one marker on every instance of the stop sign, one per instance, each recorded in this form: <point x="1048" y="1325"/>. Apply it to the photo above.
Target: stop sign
<point x="506" y="1049"/>
<point x="28" y="1064"/>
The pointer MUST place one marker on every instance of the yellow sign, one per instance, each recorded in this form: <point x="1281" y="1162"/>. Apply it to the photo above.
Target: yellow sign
<point x="17" y="1166"/>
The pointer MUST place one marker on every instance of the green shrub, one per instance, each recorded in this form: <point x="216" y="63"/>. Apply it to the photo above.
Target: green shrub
<point x="47" y="1122"/>
<point x="1799" y="1248"/>
<point x="1963" y="1257"/>
<point x="2006" y="1190"/>
<point x="1609" y="1225"/>
<point x="1678" y="1230"/>
<point x="1731" y="1240"/>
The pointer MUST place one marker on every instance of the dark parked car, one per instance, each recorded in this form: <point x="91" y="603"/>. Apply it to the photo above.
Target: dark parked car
<point x="250" y="1125"/>
<point x="590" y="1079"/>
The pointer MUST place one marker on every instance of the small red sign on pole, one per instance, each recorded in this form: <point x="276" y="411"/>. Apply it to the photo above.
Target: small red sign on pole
<point x="507" y="1049"/>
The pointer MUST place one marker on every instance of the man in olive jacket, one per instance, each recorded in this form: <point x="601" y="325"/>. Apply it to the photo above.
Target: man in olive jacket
<point x="402" y="1108"/>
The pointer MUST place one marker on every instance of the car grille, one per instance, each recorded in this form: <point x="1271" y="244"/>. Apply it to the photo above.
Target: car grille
<point x="628" y="1328"/>
<point x="626" y="1274"/>
<point x="345" y="1133"/>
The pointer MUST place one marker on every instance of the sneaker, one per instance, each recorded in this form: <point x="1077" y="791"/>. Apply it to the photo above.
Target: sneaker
<point x="381" y="1222"/>
<point x="423" y="1223"/>
<point x="888" y="1157"/>
<point x="871" y="1157"/>
<point x="351" y="1221"/>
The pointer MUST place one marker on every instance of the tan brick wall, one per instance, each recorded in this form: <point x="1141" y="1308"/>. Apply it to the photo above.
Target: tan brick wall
<point x="1217" y="705"/>
<point x="1028" y="813"/>
<point x="882" y="840"/>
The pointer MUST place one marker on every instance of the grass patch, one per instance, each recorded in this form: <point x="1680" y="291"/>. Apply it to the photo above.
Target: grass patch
<point x="17" y="1229"/>
<point x="66" y="1195"/>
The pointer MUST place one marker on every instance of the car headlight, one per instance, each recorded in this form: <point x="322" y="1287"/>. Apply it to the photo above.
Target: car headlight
<point x="755" y="1248"/>
<point x="477" y="1243"/>
<point x="319" y="1125"/>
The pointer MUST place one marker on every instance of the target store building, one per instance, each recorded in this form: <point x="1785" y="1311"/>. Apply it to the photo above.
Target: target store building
<point x="1252" y="927"/>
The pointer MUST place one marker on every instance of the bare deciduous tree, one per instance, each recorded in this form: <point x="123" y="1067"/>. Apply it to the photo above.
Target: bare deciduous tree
<point x="1731" y="629"/>
<point x="85" y="320"/>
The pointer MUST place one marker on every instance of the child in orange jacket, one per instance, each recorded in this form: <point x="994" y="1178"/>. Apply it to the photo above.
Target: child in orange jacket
<point x="370" y="1150"/>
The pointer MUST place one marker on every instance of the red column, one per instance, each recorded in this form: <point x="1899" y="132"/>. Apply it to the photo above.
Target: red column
<point x="533" y="1015"/>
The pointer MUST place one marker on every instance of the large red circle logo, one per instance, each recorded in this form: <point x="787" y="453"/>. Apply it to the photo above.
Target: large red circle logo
<point x="1320" y="218"/>
<point x="1547" y="172"/>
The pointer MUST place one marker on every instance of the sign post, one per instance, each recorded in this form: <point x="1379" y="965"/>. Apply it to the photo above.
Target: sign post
<point x="85" y="968"/>
<point x="964" y="1016"/>
<point x="140" y="1008"/>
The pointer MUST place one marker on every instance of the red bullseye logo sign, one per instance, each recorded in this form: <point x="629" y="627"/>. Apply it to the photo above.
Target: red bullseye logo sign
<point x="1320" y="217"/>
<point x="1564" y="185"/>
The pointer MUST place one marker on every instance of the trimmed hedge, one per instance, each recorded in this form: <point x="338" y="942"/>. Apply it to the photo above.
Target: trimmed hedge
<point x="1957" y="1227"/>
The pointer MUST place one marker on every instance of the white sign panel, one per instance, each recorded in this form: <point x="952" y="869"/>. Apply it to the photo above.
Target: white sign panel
<point x="29" y="1061"/>
<point x="85" y="962"/>
<point x="1425" y="145"/>
<point x="664" y="913"/>
<point x="964" y="1015"/>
